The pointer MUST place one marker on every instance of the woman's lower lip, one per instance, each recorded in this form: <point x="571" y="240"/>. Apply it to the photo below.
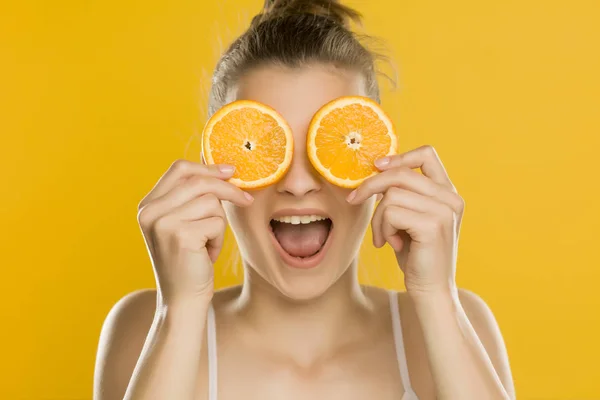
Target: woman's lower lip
<point x="306" y="262"/>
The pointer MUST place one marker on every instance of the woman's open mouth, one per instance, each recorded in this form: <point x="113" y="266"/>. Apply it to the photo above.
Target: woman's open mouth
<point x="301" y="240"/>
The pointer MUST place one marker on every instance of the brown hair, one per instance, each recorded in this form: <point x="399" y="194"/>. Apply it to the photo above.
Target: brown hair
<point x="294" y="33"/>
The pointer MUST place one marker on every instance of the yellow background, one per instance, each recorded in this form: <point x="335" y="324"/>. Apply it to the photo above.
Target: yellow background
<point x="97" y="98"/>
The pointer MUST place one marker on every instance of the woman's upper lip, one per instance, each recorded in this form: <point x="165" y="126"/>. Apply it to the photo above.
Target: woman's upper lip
<point x="299" y="211"/>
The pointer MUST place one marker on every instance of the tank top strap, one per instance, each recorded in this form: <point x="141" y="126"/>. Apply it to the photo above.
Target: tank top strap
<point x="211" y="339"/>
<point x="409" y="394"/>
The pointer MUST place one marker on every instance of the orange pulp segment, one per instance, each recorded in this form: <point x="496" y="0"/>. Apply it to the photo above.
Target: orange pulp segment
<point x="346" y="136"/>
<point x="254" y="138"/>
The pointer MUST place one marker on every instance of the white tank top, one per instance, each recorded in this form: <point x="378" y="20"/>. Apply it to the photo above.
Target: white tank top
<point x="409" y="394"/>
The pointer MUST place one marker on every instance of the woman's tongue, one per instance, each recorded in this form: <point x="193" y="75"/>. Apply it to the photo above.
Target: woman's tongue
<point x="302" y="240"/>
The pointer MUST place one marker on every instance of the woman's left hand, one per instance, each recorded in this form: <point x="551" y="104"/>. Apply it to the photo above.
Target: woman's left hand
<point x="419" y="216"/>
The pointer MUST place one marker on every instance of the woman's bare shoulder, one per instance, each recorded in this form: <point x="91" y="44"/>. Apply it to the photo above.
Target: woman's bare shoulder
<point x="131" y="314"/>
<point x="123" y="335"/>
<point x="137" y="309"/>
<point x="133" y="311"/>
<point x="140" y="301"/>
<point x="121" y="341"/>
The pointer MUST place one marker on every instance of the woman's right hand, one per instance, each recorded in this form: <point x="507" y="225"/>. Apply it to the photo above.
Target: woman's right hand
<point x="183" y="223"/>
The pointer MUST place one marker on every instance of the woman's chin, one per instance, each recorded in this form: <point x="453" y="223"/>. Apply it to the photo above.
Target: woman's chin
<point x="300" y="282"/>
<point x="303" y="291"/>
<point x="305" y="287"/>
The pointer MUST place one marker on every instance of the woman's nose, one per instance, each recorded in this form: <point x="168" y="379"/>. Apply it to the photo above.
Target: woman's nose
<point x="301" y="178"/>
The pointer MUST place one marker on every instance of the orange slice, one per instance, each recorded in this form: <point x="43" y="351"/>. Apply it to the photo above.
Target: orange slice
<point x="346" y="136"/>
<point x="254" y="138"/>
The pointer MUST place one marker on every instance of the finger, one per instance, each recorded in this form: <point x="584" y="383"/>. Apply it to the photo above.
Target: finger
<point x="377" y="223"/>
<point x="214" y="233"/>
<point x="414" y="223"/>
<point x="197" y="236"/>
<point x="193" y="188"/>
<point x="425" y="158"/>
<point x="184" y="169"/>
<point x="410" y="200"/>
<point x="192" y="236"/>
<point x="407" y="199"/>
<point x="202" y="207"/>
<point x="407" y="179"/>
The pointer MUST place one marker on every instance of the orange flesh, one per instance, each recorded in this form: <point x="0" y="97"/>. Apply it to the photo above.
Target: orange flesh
<point x="245" y="127"/>
<point x="332" y="139"/>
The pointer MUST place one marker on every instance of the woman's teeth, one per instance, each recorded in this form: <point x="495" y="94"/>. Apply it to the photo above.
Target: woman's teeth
<point x="300" y="219"/>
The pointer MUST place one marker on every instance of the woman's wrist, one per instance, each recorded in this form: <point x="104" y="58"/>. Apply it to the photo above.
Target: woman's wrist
<point x="183" y="301"/>
<point x="188" y="310"/>
<point x="424" y="295"/>
<point x="435" y="303"/>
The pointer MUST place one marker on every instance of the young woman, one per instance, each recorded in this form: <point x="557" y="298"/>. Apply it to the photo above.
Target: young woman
<point x="301" y="329"/>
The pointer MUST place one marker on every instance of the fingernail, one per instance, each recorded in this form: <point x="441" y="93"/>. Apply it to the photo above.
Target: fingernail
<point x="248" y="196"/>
<point x="351" y="196"/>
<point x="226" y="168"/>
<point x="382" y="162"/>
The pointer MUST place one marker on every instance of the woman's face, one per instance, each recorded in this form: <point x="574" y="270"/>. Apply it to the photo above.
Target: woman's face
<point x="301" y="260"/>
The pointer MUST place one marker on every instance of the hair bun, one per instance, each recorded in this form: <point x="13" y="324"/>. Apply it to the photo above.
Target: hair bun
<point x="331" y="9"/>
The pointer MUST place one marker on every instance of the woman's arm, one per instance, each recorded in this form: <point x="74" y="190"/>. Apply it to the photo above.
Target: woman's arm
<point x="466" y="351"/>
<point x="166" y="367"/>
<point x="183" y="223"/>
<point x="420" y="216"/>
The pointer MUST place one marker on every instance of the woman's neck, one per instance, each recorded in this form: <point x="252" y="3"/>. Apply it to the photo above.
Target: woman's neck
<point x="304" y="332"/>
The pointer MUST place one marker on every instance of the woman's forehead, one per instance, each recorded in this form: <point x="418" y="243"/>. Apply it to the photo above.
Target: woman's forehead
<point x="298" y="93"/>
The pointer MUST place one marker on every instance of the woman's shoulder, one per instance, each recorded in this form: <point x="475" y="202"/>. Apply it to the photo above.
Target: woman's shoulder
<point x="471" y="301"/>
<point x="138" y="307"/>
<point x="141" y="304"/>
<point x="124" y="333"/>
<point x="381" y="300"/>
<point x="131" y="311"/>
<point x="121" y="341"/>
<point x="131" y="316"/>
